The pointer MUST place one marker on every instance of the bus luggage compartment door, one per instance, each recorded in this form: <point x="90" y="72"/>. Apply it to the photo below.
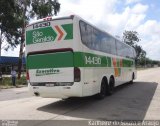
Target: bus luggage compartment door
<point x="51" y="67"/>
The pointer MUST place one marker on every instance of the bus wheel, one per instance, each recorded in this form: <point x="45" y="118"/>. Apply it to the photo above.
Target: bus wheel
<point x="110" y="88"/>
<point x="131" y="82"/>
<point x="102" y="93"/>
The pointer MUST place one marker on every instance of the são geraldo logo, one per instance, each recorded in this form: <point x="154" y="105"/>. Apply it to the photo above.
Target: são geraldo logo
<point x="38" y="37"/>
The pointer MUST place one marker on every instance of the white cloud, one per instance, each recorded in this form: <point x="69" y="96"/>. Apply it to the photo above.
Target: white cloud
<point x="139" y="8"/>
<point x="129" y="19"/>
<point x="10" y="52"/>
<point x="132" y="1"/>
<point x="93" y="11"/>
<point x="150" y="33"/>
<point x="136" y="16"/>
<point x="150" y="27"/>
<point x="87" y="9"/>
<point x="105" y="15"/>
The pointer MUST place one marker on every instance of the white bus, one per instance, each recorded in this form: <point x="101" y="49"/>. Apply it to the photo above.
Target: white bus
<point x="69" y="57"/>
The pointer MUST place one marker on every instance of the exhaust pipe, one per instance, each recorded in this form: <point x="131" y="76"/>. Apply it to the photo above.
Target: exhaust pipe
<point x="36" y="94"/>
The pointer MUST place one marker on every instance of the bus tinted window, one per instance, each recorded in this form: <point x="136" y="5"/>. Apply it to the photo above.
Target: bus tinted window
<point x="97" y="40"/>
<point x="108" y="44"/>
<point x="124" y="50"/>
<point x="101" y="41"/>
<point x="86" y="32"/>
<point x="120" y="50"/>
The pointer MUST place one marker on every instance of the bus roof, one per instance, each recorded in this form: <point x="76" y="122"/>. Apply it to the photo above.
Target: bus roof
<point x="50" y="18"/>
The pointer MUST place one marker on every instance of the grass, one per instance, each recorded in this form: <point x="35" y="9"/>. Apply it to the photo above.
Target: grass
<point x="6" y="82"/>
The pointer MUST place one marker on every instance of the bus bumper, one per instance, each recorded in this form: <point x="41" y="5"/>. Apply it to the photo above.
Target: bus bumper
<point x="57" y="91"/>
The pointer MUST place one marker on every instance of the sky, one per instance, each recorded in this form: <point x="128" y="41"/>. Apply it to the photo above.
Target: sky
<point x="116" y="16"/>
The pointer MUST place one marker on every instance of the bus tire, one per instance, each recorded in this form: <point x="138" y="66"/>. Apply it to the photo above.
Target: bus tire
<point x="110" y="88"/>
<point x="131" y="82"/>
<point x="103" y="90"/>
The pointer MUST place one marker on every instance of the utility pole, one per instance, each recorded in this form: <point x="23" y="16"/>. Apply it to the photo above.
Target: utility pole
<point x="145" y="62"/>
<point x="22" y="39"/>
<point x="0" y="49"/>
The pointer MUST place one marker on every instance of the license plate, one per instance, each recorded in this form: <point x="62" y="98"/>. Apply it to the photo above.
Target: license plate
<point x="49" y="85"/>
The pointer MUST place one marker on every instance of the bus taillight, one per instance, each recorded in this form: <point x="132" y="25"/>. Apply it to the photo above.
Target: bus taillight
<point x="27" y="75"/>
<point x="77" y="74"/>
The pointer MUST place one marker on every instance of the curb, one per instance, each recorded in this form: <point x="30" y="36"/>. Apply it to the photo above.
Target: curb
<point x="8" y="87"/>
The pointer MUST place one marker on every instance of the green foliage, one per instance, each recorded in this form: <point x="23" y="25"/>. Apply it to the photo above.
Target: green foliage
<point x="147" y="62"/>
<point x="132" y="38"/>
<point x="15" y="14"/>
<point x="7" y="81"/>
<point x="10" y="23"/>
<point x="156" y="62"/>
<point x="40" y="9"/>
<point x="44" y="8"/>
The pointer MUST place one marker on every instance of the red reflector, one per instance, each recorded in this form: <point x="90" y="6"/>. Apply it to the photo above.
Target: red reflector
<point x="27" y="75"/>
<point x="77" y="74"/>
<point x="47" y="18"/>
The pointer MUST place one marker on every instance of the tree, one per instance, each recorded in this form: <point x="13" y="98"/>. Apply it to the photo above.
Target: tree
<point x="10" y="23"/>
<point x="142" y="58"/>
<point x="132" y="38"/>
<point x="23" y="4"/>
<point x="15" y="15"/>
<point x="40" y="9"/>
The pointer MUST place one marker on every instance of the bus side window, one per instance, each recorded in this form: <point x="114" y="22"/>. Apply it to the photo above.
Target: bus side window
<point x="86" y="34"/>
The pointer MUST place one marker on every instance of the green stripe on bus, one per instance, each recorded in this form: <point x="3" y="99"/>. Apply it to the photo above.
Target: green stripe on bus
<point x="92" y="60"/>
<point x="40" y="35"/>
<point x="69" y="30"/>
<point x="48" y="34"/>
<point x="52" y="60"/>
<point x="69" y="59"/>
<point x="127" y="63"/>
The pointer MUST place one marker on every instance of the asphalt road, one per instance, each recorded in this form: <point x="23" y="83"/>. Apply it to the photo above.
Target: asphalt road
<point x="138" y="101"/>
